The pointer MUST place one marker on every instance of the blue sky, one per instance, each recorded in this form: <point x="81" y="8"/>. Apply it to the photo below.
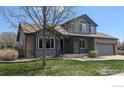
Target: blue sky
<point x="110" y="20"/>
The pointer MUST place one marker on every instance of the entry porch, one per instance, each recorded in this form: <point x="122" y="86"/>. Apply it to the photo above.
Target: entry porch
<point x="76" y="45"/>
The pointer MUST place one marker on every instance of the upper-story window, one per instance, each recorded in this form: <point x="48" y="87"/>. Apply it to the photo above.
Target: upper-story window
<point x="83" y="27"/>
<point x="92" y="28"/>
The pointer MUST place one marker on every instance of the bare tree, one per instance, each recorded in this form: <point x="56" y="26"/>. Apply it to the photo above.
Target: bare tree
<point x="119" y="44"/>
<point x="8" y="39"/>
<point x="42" y="16"/>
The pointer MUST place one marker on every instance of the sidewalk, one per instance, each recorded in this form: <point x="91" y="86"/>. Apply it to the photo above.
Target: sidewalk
<point x="21" y="60"/>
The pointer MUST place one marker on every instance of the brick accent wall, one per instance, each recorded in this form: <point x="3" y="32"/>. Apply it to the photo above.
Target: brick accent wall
<point x="30" y="45"/>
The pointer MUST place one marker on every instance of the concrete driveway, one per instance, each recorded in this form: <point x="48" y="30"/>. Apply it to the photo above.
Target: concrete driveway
<point x="113" y="57"/>
<point x="117" y="57"/>
<point x="120" y="74"/>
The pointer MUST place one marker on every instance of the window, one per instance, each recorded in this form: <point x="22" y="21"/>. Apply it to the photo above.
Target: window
<point x="39" y="43"/>
<point x="52" y="42"/>
<point x="82" y="43"/>
<point x="49" y="42"/>
<point x="83" y="27"/>
<point x="80" y="27"/>
<point x="92" y="28"/>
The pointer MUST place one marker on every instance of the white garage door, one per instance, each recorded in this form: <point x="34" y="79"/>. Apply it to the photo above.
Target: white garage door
<point x="105" y="49"/>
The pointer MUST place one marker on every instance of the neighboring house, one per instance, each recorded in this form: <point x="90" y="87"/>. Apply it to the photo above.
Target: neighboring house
<point x="76" y="36"/>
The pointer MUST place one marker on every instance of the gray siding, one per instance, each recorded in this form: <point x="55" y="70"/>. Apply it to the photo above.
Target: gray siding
<point x="50" y="52"/>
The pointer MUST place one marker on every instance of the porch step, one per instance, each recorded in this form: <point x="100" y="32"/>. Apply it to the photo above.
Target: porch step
<point x="75" y="55"/>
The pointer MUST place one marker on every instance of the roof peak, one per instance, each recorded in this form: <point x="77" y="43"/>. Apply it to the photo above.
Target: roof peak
<point x="85" y="16"/>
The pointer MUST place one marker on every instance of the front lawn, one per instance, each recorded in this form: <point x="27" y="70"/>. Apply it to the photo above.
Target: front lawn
<point x="63" y="68"/>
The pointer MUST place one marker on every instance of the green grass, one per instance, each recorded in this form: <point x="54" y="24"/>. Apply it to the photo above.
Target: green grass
<point x="61" y="67"/>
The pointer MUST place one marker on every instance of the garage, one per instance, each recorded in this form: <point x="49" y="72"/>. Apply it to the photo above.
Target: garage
<point x="105" y="49"/>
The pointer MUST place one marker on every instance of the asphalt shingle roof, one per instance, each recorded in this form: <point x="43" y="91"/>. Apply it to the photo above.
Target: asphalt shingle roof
<point x="98" y="35"/>
<point x="30" y="29"/>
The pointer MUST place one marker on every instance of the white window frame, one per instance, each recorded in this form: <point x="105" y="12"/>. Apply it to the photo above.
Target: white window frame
<point x="92" y="27"/>
<point x="85" y="30"/>
<point x="50" y="42"/>
<point x="84" y="43"/>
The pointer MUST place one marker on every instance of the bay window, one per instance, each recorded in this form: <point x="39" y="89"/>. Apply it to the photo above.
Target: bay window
<point x="50" y="43"/>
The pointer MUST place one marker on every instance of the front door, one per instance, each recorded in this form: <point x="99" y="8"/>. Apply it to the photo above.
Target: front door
<point x="69" y="45"/>
<point x="76" y="46"/>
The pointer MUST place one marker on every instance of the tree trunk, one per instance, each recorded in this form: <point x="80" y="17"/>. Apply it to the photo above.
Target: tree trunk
<point x="44" y="52"/>
<point x="44" y="38"/>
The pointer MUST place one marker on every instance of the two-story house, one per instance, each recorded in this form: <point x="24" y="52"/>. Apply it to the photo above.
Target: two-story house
<point x="76" y="36"/>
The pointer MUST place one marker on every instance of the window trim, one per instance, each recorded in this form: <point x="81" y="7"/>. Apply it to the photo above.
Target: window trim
<point x="50" y="42"/>
<point x="85" y="28"/>
<point x="84" y="42"/>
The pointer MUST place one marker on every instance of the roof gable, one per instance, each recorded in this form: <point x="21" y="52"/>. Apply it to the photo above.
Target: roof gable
<point x="89" y="20"/>
<point x="27" y="28"/>
<point x="85" y="17"/>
